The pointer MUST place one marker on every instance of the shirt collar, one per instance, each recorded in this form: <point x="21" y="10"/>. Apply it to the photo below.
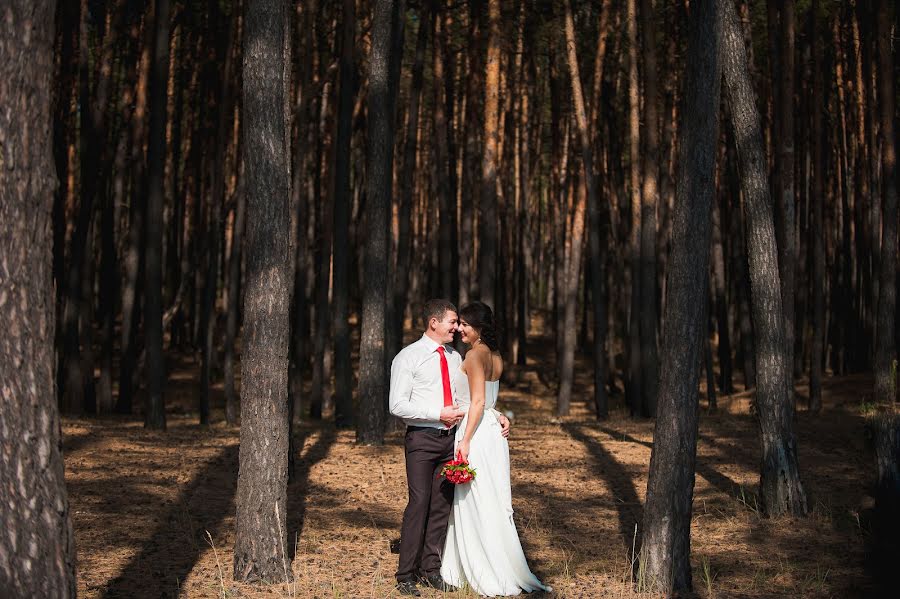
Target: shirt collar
<point x="432" y="345"/>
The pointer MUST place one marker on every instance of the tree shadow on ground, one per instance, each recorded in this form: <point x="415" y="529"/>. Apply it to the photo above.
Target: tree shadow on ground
<point x="628" y="504"/>
<point x="720" y="481"/>
<point x="298" y="487"/>
<point x="169" y="555"/>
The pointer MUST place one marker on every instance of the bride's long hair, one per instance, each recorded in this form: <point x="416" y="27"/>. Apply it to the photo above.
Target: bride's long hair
<point x="481" y="318"/>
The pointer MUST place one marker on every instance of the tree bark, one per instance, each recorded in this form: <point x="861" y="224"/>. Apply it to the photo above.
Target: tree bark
<point x="380" y="157"/>
<point x="788" y="249"/>
<point x="635" y="375"/>
<point x="885" y="343"/>
<point x="490" y="162"/>
<point x="817" y="285"/>
<point x="665" y="550"/>
<point x="649" y="199"/>
<point x="780" y="488"/>
<point x="208" y="312"/>
<point x="154" y="411"/>
<point x="564" y="394"/>
<point x="343" y="373"/>
<point x="260" y="548"/>
<point x="37" y="553"/>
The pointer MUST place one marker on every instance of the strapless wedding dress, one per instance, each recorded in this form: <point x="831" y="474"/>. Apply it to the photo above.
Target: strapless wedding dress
<point x="483" y="550"/>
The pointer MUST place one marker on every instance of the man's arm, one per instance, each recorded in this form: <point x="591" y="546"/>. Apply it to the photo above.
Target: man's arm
<point x="399" y="402"/>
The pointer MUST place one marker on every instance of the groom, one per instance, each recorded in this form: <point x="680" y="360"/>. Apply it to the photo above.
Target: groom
<point x="424" y="380"/>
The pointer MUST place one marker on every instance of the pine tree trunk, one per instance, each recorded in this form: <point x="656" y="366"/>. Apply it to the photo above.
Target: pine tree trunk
<point x="885" y="343"/>
<point x="260" y="548"/>
<point x="787" y="205"/>
<point x="154" y="411"/>
<point x="447" y="236"/>
<point x="373" y="368"/>
<point x="817" y="284"/>
<point x="37" y="551"/>
<point x="666" y="544"/>
<point x="589" y="189"/>
<point x="343" y="373"/>
<point x="649" y="199"/>
<point x="490" y="163"/>
<point x="635" y="374"/>
<point x="780" y="487"/>
<point x="132" y="287"/>
<point x="232" y="403"/>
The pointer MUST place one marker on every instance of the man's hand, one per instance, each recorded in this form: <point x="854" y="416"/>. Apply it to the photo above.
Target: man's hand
<point x="504" y="425"/>
<point x="450" y="415"/>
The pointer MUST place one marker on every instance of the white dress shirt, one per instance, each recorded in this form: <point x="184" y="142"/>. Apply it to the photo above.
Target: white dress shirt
<point x="417" y="390"/>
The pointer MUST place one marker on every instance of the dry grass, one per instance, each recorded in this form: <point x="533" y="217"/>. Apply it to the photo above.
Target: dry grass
<point x="154" y="512"/>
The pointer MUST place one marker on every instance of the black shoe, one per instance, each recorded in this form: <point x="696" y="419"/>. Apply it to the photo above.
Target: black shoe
<point x="408" y="587"/>
<point x="435" y="581"/>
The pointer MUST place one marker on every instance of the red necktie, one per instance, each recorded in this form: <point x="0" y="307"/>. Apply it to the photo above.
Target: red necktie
<point x="445" y="378"/>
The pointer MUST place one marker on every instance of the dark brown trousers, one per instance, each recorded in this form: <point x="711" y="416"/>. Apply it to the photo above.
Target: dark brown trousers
<point x="430" y="499"/>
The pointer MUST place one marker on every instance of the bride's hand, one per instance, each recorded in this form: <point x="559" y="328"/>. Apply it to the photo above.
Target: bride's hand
<point x="463" y="451"/>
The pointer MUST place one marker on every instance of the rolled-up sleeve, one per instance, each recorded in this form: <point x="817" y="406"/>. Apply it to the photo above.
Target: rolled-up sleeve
<point x="400" y="401"/>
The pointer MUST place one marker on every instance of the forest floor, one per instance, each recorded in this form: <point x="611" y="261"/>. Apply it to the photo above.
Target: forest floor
<point x="154" y="512"/>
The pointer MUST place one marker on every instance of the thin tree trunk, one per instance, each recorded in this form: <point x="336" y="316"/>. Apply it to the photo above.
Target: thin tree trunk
<point x="380" y="156"/>
<point x="154" y="412"/>
<point x="720" y="301"/>
<point x="666" y="543"/>
<point x="635" y="375"/>
<point x="817" y="284"/>
<point x="780" y="488"/>
<point x="343" y="373"/>
<point x="260" y="548"/>
<point x="885" y="343"/>
<point x="208" y="313"/>
<point x="134" y="256"/>
<point x="490" y="162"/>
<point x="649" y="199"/>
<point x="564" y="394"/>
<point x="38" y="548"/>
<point x="787" y="205"/>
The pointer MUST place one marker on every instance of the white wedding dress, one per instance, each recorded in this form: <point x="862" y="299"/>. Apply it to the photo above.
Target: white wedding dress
<point x="482" y="548"/>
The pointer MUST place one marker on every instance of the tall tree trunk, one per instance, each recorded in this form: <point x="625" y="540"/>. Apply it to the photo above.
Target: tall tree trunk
<point x="232" y="404"/>
<point x="787" y="250"/>
<point x="208" y="313"/>
<point x="447" y="236"/>
<point x="720" y="301"/>
<point x="635" y="375"/>
<point x="490" y="162"/>
<point x="154" y="411"/>
<point x="38" y="548"/>
<point x="564" y="394"/>
<point x="666" y="542"/>
<point x="260" y="547"/>
<point x="885" y="343"/>
<point x="134" y="254"/>
<point x="649" y="199"/>
<point x="380" y="157"/>
<point x="780" y="487"/>
<point x="343" y="373"/>
<point x="818" y="200"/>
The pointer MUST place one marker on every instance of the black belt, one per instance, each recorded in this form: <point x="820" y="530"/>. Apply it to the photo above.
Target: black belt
<point x="441" y="432"/>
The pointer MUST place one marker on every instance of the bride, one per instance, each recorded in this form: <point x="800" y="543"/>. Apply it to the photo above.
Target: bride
<point x="482" y="549"/>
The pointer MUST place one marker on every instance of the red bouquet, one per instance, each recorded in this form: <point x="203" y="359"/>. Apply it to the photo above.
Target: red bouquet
<point x="458" y="471"/>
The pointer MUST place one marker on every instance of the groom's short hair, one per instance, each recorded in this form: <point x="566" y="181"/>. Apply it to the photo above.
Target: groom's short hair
<point x="436" y="308"/>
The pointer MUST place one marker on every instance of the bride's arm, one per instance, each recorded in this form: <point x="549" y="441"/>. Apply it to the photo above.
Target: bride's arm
<point x="475" y="373"/>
